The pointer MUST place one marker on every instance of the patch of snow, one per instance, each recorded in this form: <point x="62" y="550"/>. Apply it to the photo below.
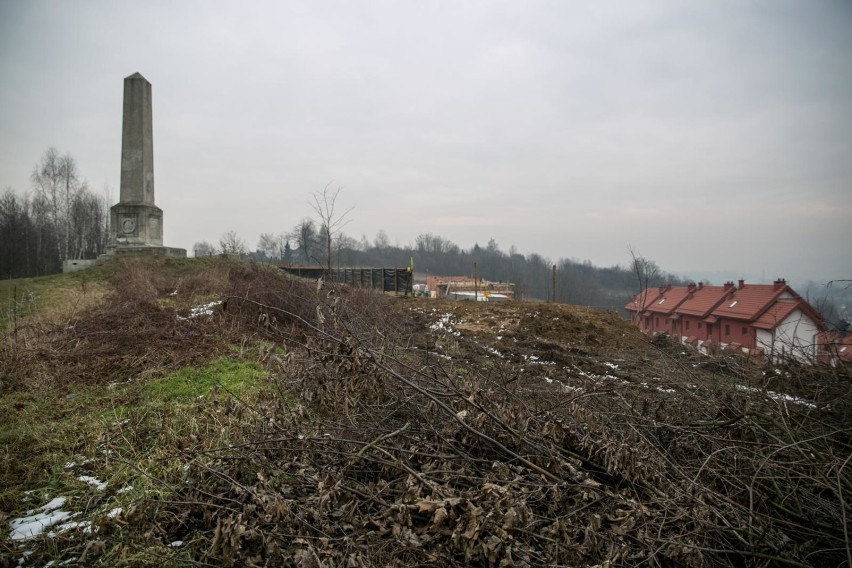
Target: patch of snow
<point x="661" y="389"/>
<point x="37" y="520"/>
<point x="612" y="366"/>
<point x="93" y="481"/>
<point x="114" y="513"/>
<point x="125" y="489"/>
<point x="176" y="543"/>
<point x="535" y="360"/>
<point x="85" y="525"/>
<point x="202" y="310"/>
<point x="778" y="396"/>
<point x="443" y="324"/>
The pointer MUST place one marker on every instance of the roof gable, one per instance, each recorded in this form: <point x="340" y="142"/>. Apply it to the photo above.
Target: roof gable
<point x="776" y="314"/>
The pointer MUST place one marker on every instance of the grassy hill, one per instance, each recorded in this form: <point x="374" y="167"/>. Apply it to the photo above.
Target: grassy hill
<point x="213" y="412"/>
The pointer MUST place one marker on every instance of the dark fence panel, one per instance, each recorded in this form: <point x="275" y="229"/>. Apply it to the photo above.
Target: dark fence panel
<point x="398" y="280"/>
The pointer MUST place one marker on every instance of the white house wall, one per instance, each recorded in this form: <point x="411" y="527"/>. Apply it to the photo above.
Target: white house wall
<point x="797" y="336"/>
<point x="763" y="339"/>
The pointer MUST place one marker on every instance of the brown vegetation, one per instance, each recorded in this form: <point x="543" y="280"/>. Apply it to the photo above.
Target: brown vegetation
<point x="414" y="432"/>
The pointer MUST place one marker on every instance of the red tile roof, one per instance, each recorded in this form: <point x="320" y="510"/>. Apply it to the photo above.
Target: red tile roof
<point x="650" y="294"/>
<point x="831" y="343"/>
<point x="776" y="314"/>
<point x="669" y="300"/>
<point x="747" y="302"/>
<point x="702" y="301"/>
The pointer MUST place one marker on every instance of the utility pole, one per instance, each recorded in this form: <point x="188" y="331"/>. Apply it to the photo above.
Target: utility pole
<point x="553" y="285"/>
<point x="475" y="284"/>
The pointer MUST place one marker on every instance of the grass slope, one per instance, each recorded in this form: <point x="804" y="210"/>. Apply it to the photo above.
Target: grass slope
<point x="290" y="424"/>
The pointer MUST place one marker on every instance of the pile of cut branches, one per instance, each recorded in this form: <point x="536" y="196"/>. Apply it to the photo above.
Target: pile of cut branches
<point x="393" y="456"/>
<point x="395" y="439"/>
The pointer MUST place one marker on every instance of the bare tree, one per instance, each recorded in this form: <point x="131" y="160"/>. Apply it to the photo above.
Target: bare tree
<point x="71" y="188"/>
<point x="646" y="273"/>
<point x="330" y="219"/>
<point x="47" y="181"/>
<point x="381" y="242"/>
<point x="203" y="248"/>
<point x="268" y="245"/>
<point x="304" y="234"/>
<point x="231" y="243"/>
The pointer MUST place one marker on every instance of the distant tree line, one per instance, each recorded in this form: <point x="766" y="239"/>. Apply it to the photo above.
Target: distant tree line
<point x="59" y="220"/>
<point x="577" y="282"/>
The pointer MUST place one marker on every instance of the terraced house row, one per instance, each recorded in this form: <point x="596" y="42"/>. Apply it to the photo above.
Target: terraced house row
<point x="769" y="320"/>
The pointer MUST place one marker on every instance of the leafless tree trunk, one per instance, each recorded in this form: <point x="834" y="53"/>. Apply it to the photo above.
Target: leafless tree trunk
<point x="645" y="271"/>
<point x="231" y="243"/>
<point x="331" y="221"/>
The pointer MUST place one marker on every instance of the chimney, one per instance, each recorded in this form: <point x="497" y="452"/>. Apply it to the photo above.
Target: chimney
<point x="729" y="284"/>
<point x="700" y="285"/>
<point x="780" y="283"/>
<point x="691" y="287"/>
<point x="740" y="284"/>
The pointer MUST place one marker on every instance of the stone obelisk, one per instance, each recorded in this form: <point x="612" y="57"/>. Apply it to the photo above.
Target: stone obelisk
<point x="136" y="223"/>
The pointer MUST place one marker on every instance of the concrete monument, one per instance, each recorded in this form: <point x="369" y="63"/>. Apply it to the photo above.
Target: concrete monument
<point x="136" y="223"/>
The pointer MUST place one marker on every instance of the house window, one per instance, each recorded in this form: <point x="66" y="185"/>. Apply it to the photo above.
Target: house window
<point x="657" y="322"/>
<point x="687" y="325"/>
<point x="745" y="331"/>
<point x="727" y="330"/>
<point x="699" y="325"/>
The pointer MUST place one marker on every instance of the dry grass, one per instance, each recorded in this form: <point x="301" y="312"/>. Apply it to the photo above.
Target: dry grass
<point x="405" y="432"/>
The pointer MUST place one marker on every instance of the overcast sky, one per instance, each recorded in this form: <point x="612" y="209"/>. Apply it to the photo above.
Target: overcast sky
<point x="714" y="137"/>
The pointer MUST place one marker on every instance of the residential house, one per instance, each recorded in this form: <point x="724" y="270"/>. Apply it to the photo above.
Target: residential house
<point x="467" y="288"/>
<point x="697" y="322"/>
<point x="638" y="306"/>
<point x="758" y="319"/>
<point x="835" y="347"/>
<point x="662" y="312"/>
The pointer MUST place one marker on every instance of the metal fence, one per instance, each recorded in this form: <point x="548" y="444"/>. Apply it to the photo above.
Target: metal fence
<point x="398" y="280"/>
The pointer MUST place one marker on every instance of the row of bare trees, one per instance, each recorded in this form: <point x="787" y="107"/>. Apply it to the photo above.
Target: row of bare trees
<point x="320" y="240"/>
<point x="61" y="219"/>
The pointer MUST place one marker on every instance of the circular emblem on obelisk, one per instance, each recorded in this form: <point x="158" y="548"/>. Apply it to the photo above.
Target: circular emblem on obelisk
<point x="128" y="225"/>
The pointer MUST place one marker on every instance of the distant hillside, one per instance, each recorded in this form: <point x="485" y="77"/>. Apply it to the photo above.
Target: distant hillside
<point x="577" y="282"/>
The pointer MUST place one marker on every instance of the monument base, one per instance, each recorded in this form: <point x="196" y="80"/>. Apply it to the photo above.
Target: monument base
<point x="115" y="252"/>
